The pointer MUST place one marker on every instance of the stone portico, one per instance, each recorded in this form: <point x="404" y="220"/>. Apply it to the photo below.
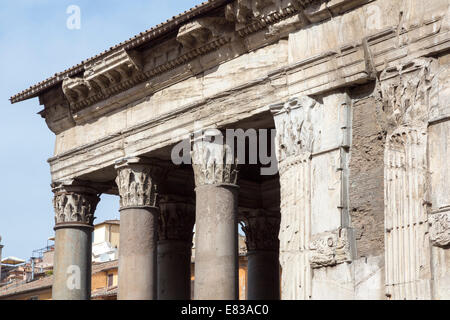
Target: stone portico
<point x="358" y="96"/>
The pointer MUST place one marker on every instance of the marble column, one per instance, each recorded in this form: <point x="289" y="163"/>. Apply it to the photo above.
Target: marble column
<point x="216" y="240"/>
<point x="294" y="145"/>
<point x="74" y="205"/>
<point x="176" y="223"/>
<point x="261" y="230"/>
<point x="138" y="181"/>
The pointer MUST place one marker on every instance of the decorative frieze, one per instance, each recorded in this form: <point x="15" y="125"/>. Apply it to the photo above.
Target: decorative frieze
<point x="440" y="228"/>
<point x="213" y="160"/>
<point x="138" y="181"/>
<point x="177" y="218"/>
<point x="74" y="204"/>
<point x="330" y="248"/>
<point x="261" y="230"/>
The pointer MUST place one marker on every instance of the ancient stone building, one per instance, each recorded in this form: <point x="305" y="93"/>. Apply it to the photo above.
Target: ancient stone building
<point x="359" y="208"/>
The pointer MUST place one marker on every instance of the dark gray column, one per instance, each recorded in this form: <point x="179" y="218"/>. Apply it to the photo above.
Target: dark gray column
<point x="74" y="205"/>
<point x="177" y="217"/>
<point x="138" y="181"/>
<point x="216" y="243"/>
<point x="261" y="229"/>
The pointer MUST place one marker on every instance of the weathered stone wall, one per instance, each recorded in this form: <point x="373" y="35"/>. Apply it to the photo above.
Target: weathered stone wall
<point x="366" y="180"/>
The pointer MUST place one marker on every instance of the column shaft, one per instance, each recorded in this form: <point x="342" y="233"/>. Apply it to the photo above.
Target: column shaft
<point x="263" y="275"/>
<point x="174" y="270"/>
<point x="74" y="205"/>
<point x="137" y="254"/>
<point x="176" y="223"/>
<point x="261" y="229"/>
<point x="138" y="183"/>
<point x="216" y="258"/>
<point x="72" y="264"/>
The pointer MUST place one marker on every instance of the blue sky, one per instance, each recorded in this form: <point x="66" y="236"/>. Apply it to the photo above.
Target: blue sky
<point x="35" y="44"/>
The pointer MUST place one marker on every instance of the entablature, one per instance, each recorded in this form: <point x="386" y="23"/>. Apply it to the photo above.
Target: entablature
<point x="168" y="61"/>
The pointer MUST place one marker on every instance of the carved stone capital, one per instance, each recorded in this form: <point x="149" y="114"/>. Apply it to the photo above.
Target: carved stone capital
<point x="74" y="204"/>
<point x="440" y="228"/>
<point x="138" y="181"/>
<point x="177" y="218"/>
<point x="330" y="248"/>
<point x="405" y="91"/>
<point x="294" y="125"/>
<point x="213" y="160"/>
<point x="261" y="229"/>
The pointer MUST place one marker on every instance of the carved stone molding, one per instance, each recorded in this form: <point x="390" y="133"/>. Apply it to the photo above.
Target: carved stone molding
<point x="201" y="31"/>
<point x="57" y="113"/>
<point x="74" y="204"/>
<point x="138" y="181"/>
<point x="294" y="124"/>
<point x="253" y="15"/>
<point x="117" y="72"/>
<point x="213" y="160"/>
<point x="330" y="248"/>
<point x="261" y="229"/>
<point x="177" y="218"/>
<point x="440" y="228"/>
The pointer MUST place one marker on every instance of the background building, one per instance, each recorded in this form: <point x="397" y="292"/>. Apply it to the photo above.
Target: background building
<point x="105" y="246"/>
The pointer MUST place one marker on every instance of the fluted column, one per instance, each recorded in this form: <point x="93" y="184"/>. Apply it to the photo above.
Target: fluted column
<point x="216" y="241"/>
<point x="176" y="223"/>
<point x="261" y="230"/>
<point x="138" y="181"/>
<point x="74" y="205"/>
<point x="294" y="145"/>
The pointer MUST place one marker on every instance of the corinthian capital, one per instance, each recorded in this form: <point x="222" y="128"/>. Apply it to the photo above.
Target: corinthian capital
<point x="138" y="181"/>
<point x="406" y="92"/>
<point x="74" y="204"/>
<point x="213" y="160"/>
<point x="261" y="229"/>
<point x="177" y="218"/>
<point x="294" y="124"/>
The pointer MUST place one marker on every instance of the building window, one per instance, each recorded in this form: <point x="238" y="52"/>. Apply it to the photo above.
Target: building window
<point x="110" y="280"/>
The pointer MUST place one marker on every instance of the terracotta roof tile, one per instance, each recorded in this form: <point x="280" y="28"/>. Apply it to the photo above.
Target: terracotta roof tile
<point x="47" y="282"/>
<point x="42" y="283"/>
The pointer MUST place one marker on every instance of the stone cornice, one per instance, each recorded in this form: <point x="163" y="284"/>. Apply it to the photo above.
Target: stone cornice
<point x="321" y="68"/>
<point x="123" y="69"/>
<point x="91" y="85"/>
<point x="132" y="43"/>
